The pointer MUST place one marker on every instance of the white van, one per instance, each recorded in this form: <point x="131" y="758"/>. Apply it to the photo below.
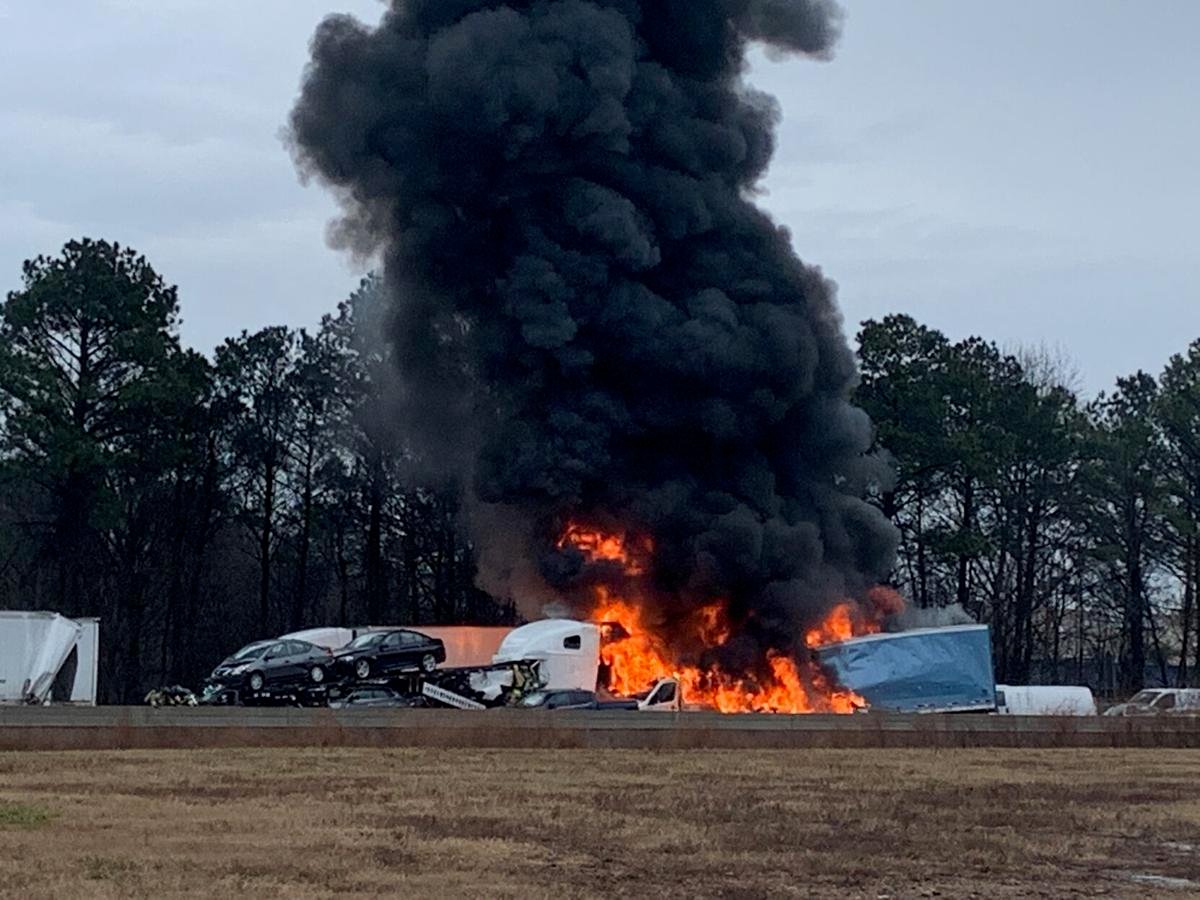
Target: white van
<point x="1044" y="700"/>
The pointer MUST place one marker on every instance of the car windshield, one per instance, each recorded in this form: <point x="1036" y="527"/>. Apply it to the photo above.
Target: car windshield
<point x="1143" y="697"/>
<point x="366" y="640"/>
<point x="537" y="698"/>
<point x="252" y="651"/>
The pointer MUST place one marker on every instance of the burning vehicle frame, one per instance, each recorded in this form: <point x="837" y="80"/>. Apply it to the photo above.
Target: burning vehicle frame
<point x="534" y="659"/>
<point x="614" y="664"/>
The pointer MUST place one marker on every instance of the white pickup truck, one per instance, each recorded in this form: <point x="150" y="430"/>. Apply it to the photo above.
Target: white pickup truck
<point x="1159" y="702"/>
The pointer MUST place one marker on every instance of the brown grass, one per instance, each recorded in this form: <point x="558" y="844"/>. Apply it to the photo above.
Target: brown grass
<point x="565" y="824"/>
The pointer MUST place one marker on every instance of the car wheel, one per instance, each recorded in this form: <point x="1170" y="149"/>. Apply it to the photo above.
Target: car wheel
<point x="318" y="674"/>
<point x="256" y="681"/>
<point x="362" y="668"/>
<point x="428" y="663"/>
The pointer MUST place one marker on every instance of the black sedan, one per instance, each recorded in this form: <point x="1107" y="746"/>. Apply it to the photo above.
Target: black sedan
<point x="380" y="653"/>
<point x="273" y="664"/>
<point x="559" y="700"/>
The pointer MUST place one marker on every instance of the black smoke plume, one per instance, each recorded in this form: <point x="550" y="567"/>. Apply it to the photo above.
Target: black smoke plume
<point x="594" y="322"/>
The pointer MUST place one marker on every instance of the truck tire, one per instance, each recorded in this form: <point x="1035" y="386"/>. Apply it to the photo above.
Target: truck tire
<point x="428" y="663"/>
<point x="362" y="669"/>
<point x="255" y="681"/>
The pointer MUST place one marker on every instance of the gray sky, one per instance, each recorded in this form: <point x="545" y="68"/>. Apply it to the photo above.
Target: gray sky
<point x="1026" y="171"/>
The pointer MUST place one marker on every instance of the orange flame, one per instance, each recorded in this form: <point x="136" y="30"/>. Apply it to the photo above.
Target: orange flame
<point x="838" y="626"/>
<point x="635" y="662"/>
<point x="850" y="619"/>
<point x="641" y="653"/>
<point x="597" y="545"/>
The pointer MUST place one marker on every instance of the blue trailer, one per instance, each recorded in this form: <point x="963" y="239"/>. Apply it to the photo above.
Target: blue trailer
<point x="923" y="670"/>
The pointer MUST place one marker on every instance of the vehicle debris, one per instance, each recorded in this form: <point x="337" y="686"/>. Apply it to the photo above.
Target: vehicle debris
<point x="173" y="695"/>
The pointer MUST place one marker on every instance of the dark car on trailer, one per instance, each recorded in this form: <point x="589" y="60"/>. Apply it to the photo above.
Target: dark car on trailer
<point x="267" y="665"/>
<point x="379" y="654"/>
<point x="375" y="696"/>
<point x="572" y="700"/>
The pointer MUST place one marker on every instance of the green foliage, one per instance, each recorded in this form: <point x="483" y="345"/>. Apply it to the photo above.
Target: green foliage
<point x="194" y="504"/>
<point x="1178" y="411"/>
<point x="1031" y="510"/>
<point x="93" y="386"/>
<point x="24" y="815"/>
<point x="85" y="352"/>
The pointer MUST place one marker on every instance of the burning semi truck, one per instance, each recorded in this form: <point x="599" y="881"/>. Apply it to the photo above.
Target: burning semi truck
<point x="849" y="660"/>
<point x="852" y="658"/>
<point x="945" y="669"/>
<point x="551" y="655"/>
<point x="616" y="662"/>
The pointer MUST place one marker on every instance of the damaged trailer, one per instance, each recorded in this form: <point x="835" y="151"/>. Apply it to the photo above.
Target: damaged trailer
<point x="922" y="670"/>
<point x="46" y="657"/>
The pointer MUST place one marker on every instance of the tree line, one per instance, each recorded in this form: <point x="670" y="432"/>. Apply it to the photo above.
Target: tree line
<point x="196" y="502"/>
<point x="1070" y="526"/>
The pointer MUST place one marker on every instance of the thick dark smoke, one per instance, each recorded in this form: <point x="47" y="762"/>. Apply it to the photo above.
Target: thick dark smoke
<point x="593" y="320"/>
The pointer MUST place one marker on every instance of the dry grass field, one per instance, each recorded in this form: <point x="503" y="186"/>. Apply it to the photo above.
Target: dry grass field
<point x="453" y="823"/>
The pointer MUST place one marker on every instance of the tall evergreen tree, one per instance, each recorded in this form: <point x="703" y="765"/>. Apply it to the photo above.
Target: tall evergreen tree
<point x="256" y="385"/>
<point x="1125" y="494"/>
<point x="1179" y="415"/>
<point x="92" y="382"/>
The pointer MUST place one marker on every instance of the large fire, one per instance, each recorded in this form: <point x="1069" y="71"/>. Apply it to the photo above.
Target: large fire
<point x="597" y="545"/>
<point x="639" y="652"/>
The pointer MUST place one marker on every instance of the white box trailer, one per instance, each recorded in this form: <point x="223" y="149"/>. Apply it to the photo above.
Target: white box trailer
<point x="1044" y="700"/>
<point x="47" y="657"/>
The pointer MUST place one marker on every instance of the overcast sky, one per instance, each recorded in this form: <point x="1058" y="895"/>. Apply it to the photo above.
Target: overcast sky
<point x="1026" y="171"/>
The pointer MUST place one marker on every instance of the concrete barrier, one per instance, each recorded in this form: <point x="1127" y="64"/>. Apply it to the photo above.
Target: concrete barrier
<point x="109" y="728"/>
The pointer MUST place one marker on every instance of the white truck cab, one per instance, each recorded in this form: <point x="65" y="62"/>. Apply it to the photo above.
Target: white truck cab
<point x="568" y="656"/>
<point x="568" y="651"/>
